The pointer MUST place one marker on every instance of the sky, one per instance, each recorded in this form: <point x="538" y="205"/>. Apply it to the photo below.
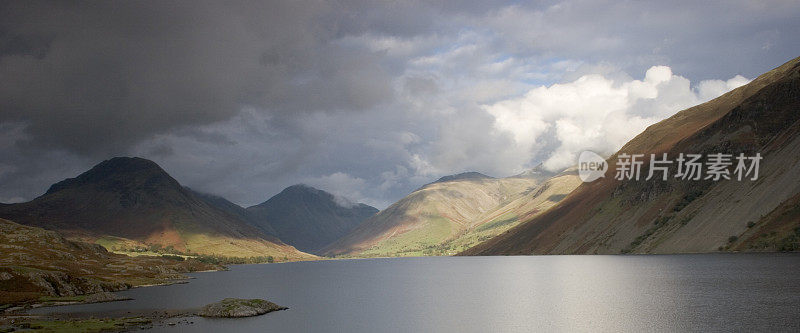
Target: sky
<point x="365" y="99"/>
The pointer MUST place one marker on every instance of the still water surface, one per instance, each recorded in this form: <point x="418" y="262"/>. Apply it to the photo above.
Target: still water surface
<point x="712" y="292"/>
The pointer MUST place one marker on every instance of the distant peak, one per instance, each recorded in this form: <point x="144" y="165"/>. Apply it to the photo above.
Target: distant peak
<point x="302" y="188"/>
<point x="463" y="175"/>
<point x="297" y="191"/>
<point x="303" y="192"/>
<point x="536" y="172"/>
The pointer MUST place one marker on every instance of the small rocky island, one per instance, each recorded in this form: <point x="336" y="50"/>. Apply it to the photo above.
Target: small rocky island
<point x="235" y="308"/>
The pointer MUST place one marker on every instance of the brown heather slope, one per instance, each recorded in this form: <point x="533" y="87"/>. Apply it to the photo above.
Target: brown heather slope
<point x="453" y="214"/>
<point x="675" y="216"/>
<point x="37" y="263"/>
<point x="134" y="199"/>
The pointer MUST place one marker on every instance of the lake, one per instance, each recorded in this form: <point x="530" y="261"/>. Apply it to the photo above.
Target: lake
<point x="634" y="293"/>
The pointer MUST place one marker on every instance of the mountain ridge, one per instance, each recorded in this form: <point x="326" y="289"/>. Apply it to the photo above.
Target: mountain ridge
<point x="613" y="216"/>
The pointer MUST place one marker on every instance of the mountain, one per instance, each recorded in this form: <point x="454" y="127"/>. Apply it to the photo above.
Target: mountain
<point x="679" y="216"/>
<point x="308" y="218"/>
<point x="132" y="199"/>
<point x="463" y="175"/>
<point x="453" y="214"/>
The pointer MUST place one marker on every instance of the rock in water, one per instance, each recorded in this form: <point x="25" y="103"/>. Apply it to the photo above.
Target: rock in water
<point x="235" y="308"/>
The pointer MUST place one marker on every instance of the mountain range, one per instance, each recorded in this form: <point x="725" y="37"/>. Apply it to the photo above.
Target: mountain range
<point x="130" y="201"/>
<point x="612" y="215"/>
<point x="453" y="214"/>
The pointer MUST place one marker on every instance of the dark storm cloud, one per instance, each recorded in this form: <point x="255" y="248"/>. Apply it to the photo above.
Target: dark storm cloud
<point x="97" y="77"/>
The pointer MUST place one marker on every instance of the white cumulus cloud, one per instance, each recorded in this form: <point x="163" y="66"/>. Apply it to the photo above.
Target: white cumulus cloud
<point x="596" y="113"/>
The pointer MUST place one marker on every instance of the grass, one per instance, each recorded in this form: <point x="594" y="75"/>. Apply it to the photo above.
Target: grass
<point x="114" y="243"/>
<point x="206" y="258"/>
<point x="442" y="241"/>
<point x="480" y="234"/>
<point x="497" y="223"/>
<point x="197" y="243"/>
<point x="232" y="247"/>
<point x="414" y="242"/>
